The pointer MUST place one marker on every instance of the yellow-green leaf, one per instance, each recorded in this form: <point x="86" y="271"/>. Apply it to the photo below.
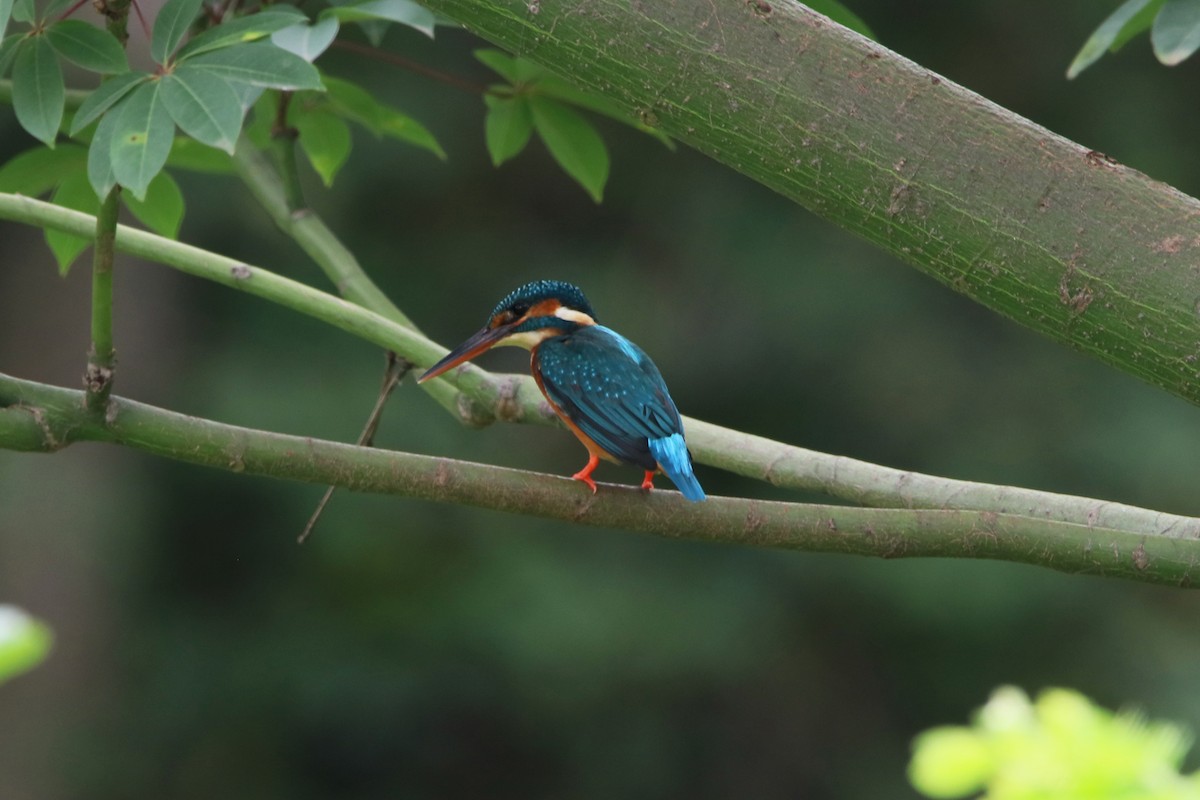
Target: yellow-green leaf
<point x="162" y="210"/>
<point x="74" y="193"/>
<point x="507" y="127"/>
<point x="325" y="140"/>
<point x="38" y="170"/>
<point x="24" y="642"/>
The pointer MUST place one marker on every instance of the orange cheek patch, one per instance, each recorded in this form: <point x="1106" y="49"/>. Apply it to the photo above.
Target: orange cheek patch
<point x="545" y="308"/>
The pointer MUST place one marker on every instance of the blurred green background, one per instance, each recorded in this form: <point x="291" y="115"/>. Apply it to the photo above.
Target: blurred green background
<point x="423" y="651"/>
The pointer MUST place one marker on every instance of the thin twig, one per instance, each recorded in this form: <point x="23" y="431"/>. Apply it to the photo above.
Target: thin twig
<point x="393" y="372"/>
<point x="137" y="9"/>
<point x="283" y="143"/>
<point x="412" y="66"/>
<point x="78" y="4"/>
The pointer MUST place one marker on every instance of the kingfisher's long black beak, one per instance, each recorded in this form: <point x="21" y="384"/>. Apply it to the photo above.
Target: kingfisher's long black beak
<point x="479" y="342"/>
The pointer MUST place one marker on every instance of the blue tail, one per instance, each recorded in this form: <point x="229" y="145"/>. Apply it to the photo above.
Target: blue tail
<point x="672" y="455"/>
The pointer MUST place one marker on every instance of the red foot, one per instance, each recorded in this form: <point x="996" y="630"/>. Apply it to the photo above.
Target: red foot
<point x="585" y="474"/>
<point x="648" y="481"/>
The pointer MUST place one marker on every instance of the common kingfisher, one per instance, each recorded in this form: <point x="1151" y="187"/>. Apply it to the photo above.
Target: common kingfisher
<point x="606" y="390"/>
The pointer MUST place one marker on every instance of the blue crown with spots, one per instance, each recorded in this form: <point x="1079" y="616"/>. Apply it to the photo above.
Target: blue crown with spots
<point x="533" y="293"/>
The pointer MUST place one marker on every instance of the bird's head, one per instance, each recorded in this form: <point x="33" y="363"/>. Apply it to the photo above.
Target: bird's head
<point x="530" y="314"/>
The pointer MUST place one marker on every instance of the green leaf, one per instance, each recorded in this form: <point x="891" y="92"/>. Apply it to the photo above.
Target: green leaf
<point x="162" y="210"/>
<point x="142" y="139"/>
<point x="356" y="104"/>
<point x="8" y="51"/>
<point x="40" y="169"/>
<point x="260" y="64"/>
<point x="514" y="70"/>
<point x="247" y="95"/>
<point x="103" y="97"/>
<point x="88" y="46"/>
<point x="507" y="128"/>
<point x="24" y="642"/>
<point x="204" y="105"/>
<point x="187" y="153"/>
<point x="6" y="8"/>
<point x="307" y="41"/>
<point x="171" y="25"/>
<point x="1127" y="21"/>
<point x="99" y="166"/>
<point x="404" y="128"/>
<point x="951" y="762"/>
<point x="75" y="193"/>
<point x="1176" y="32"/>
<point x="404" y="12"/>
<point x="249" y="28"/>
<point x="38" y="90"/>
<point x="573" y="142"/>
<point x="325" y="139"/>
<point x="23" y="11"/>
<point x="841" y="15"/>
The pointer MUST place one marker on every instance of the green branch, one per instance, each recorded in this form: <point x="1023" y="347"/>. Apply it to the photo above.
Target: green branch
<point x="1061" y="239"/>
<point x="40" y="417"/>
<point x="340" y="265"/>
<point x="313" y="235"/>
<point x="513" y="398"/>
<point x="102" y="357"/>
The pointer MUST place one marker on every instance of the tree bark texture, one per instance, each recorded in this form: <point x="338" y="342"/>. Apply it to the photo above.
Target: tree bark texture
<point x="1062" y="239"/>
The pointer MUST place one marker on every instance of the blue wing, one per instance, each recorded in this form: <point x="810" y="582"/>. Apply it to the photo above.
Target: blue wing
<point x="608" y="387"/>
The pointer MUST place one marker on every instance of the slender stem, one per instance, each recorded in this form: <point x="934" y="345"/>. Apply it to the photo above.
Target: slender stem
<point x="313" y="236"/>
<point x="116" y="13"/>
<point x="283" y="142"/>
<point x="340" y="265"/>
<point x="51" y="418"/>
<point x="102" y="357"/>
<point x="513" y="398"/>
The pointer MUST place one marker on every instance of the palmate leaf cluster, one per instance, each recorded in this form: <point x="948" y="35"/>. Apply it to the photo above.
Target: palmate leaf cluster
<point x="1174" y="27"/>
<point x="213" y="72"/>
<point x="189" y="112"/>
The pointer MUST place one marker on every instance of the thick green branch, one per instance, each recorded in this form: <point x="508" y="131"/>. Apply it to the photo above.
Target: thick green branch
<point x="313" y="236"/>
<point x="309" y="231"/>
<point x="1061" y="239"/>
<point x="513" y="398"/>
<point x="52" y="418"/>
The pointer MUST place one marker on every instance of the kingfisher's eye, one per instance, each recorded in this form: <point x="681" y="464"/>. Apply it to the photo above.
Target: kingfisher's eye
<point x="519" y="310"/>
